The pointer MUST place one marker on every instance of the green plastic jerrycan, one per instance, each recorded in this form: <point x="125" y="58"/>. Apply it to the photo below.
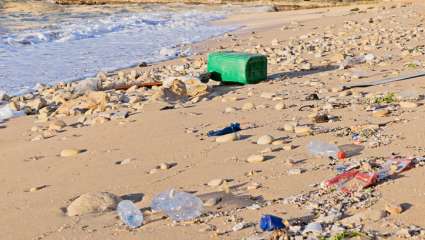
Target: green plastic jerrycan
<point x="237" y="67"/>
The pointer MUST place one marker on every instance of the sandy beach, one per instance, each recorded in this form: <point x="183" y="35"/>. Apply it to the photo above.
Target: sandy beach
<point x="135" y="142"/>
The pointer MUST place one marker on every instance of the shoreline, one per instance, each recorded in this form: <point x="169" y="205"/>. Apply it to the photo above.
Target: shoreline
<point x="136" y="142"/>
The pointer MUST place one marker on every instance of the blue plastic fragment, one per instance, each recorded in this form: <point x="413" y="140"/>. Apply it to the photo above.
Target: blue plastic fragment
<point x="270" y="223"/>
<point x="233" y="127"/>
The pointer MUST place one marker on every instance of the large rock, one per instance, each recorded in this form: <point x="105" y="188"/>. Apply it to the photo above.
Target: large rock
<point x="93" y="203"/>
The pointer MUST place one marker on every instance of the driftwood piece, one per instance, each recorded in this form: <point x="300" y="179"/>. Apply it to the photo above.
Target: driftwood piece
<point x="139" y="84"/>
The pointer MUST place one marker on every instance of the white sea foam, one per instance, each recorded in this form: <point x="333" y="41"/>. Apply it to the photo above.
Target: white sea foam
<point x="76" y="47"/>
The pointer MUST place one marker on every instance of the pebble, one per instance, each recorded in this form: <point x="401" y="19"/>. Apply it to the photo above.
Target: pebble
<point x="239" y="226"/>
<point x="35" y="189"/>
<point x="125" y="161"/>
<point x="289" y="127"/>
<point x="97" y="202"/>
<point x="267" y="150"/>
<point x="210" y="202"/>
<point x="303" y="131"/>
<point x="215" y="182"/>
<point x="229" y="109"/>
<point x="393" y="209"/>
<point x="295" y="171"/>
<point x="57" y="125"/>
<point x="227" y="138"/>
<point x="255" y="159"/>
<point x="264" y="140"/>
<point x="337" y="89"/>
<point x="288" y="147"/>
<point x="278" y="142"/>
<point x="253" y="186"/>
<point x="381" y="113"/>
<point x="279" y="106"/>
<point x="267" y="95"/>
<point x="164" y="166"/>
<point x="248" y="106"/>
<point x="404" y="233"/>
<point x="69" y="152"/>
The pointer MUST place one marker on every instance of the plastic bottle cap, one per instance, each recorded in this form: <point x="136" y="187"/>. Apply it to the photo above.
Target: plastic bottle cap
<point x="341" y="155"/>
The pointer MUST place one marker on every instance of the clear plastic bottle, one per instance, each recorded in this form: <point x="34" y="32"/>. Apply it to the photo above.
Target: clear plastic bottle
<point x="179" y="206"/>
<point x="130" y="214"/>
<point x="319" y="148"/>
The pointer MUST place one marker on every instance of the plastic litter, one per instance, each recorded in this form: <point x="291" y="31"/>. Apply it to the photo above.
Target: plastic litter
<point x="319" y="148"/>
<point x="237" y="67"/>
<point x="130" y="214"/>
<point x="351" y="61"/>
<point x="179" y="206"/>
<point x="233" y="127"/>
<point x="313" y="227"/>
<point x="351" y="181"/>
<point x="271" y="223"/>
<point x="394" y="166"/>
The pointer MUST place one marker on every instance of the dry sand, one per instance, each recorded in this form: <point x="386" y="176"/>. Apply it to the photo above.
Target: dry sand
<point x="178" y="136"/>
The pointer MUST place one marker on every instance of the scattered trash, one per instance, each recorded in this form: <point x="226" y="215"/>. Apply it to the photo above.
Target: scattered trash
<point x="179" y="206"/>
<point x="394" y="166"/>
<point x="319" y="148"/>
<point x="346" y="167"/>
<point x="271" y="223"/>
<point x="237" y="67"/>
<point x="351" y="61"/>
<point x="130" y="214"/>
<point x="233" y="127"/>
<point x="350" y="179"/>
<point x="314" y="227"/>
<point x="240" y="226"/>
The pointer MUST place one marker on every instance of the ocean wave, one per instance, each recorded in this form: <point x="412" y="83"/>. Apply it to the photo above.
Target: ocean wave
<point x="97" y="27"/>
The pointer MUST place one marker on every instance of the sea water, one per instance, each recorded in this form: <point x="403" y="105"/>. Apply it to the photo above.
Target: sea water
<point x="64" y="43"/>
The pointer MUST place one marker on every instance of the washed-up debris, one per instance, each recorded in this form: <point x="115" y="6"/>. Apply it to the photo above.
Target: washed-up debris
<point x="271" y="223"/>
<point x="394" y="166"/>
<point x="130" y="214"/>
<point x="233" y="127"/>
<point x="179" y="206"/>
<point x="319" y="148"/>
<point x="351" y="180"/>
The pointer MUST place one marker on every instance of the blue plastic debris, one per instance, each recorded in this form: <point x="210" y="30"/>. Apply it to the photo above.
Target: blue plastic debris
<point x="233" y="127"/>
<point x="270" y="223"/>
